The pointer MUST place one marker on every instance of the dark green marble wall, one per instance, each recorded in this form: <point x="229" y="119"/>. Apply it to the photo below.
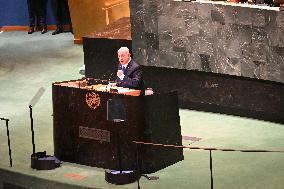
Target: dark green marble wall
<point x="240" y="40"/>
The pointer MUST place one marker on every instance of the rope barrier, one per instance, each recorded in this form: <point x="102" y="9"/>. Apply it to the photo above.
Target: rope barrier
<point x="200" y="148"/>
<point x="207" y="149"/>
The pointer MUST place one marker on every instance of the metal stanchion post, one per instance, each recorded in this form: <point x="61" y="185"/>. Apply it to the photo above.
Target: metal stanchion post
<point x="8" y="135"/>
<point x="138" y="166"/>
<point x="211" y="169"/>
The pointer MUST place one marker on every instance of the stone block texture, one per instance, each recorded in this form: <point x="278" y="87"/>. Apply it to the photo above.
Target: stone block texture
<point x="209" y="37"/>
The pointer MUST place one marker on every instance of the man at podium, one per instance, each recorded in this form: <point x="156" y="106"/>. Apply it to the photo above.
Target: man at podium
<point x="129" y="74"/>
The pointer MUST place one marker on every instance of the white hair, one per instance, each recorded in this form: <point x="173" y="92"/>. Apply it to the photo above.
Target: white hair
<point x="123" y="49"/>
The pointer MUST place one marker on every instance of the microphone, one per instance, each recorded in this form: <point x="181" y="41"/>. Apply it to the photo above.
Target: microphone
<point x="110" y="76"/>
<point x="104" y="76"/>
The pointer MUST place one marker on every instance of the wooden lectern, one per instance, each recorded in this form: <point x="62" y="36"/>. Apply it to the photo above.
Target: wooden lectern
<point x="83" y="133"/>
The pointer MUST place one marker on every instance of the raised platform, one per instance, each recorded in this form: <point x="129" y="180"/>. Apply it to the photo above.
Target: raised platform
<point x="230" y="169"/>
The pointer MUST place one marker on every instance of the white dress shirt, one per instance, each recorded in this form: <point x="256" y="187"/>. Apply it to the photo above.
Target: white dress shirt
<point x="125" y="67"/>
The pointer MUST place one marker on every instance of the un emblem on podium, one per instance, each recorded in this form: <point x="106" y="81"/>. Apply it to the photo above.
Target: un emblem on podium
<point x="93" y="100"/>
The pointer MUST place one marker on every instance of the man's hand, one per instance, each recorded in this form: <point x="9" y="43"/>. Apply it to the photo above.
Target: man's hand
<point x="119" y="73"/>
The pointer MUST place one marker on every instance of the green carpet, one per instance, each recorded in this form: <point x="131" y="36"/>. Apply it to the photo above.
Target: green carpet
<point x="28" y="62"/>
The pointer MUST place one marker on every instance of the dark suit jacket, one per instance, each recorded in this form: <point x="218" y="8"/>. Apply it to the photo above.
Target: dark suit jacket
<point x="133" y="78"/>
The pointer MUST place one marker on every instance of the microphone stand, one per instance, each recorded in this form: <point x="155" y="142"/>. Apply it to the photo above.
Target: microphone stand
<point x="8" y="135"/>
<point x="118" y="177"/>
<point x="110" y="76"/>
<point x="39" y="160"/>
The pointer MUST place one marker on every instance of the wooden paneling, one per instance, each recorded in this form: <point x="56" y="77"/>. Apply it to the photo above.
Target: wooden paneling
<point x="89" y="15"/>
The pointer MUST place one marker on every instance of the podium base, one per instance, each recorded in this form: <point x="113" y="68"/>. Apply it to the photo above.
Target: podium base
<point x="120" y="178"/>
<point x="41" y="161"/>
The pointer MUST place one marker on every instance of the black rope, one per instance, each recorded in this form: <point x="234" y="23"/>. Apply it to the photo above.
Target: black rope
<point x="198" y="148"/>
<point x="210" y="149"/>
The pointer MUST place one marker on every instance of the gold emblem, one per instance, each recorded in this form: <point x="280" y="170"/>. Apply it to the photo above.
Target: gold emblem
<point x="93" y="100"/>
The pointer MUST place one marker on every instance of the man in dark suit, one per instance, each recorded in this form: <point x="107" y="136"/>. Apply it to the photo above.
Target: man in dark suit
<point x="129" y="74"/>
<point x="37" y="13"/>
<point x="61" y="7"/>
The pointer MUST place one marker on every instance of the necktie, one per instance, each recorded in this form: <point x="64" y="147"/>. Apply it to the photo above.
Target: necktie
<point x="124" y="70"/>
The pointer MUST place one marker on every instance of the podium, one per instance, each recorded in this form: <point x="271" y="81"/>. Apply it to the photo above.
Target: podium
<point x="83" y="135"/>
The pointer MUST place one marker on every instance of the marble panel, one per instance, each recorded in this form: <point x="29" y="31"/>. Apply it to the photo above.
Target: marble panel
<point x="272" y="37"/>
<point x="192" y="27"/>
<point x="227" y="65"/>
<point x="274" y="59"/>
<point x="230" y="15"/>
<point x="244" y="35"/>
<point x="200" y="45"/>
<point x="181" y="60"/>
<point x="177" y="10"/>
<point x="227" y="39"/>
<point x="260" y="71"/>
<point x="150" y="16"/>
<point x="152" y="40"/>
<point x="193" y="62"/>
<point x="280" y="19"/>
<point x="204" y="11"/>
<point x="208" y="29"/>
<point x="247" y="67"/>
<point x="243" y="15"/>
<point x="168" y="59"/>
<point x="258" y="18"/>
<point x="280" y="37"/>
<point x="178" y="27"/>
<point x="270" y="19"/>
<point x="152" y="57"/>
<point x="163" y="7"/>
<point x="180" y="44"/>
<point x="164" y="24"/>
<point x="255" y="51"/>
<point x="190" y="11"/>
<point x="205" y="66"/>
<point x="218" y="15"/>
<point x="259" y="35"/>
<point x="139" y="55"/>
<point x="165" y="41"/>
